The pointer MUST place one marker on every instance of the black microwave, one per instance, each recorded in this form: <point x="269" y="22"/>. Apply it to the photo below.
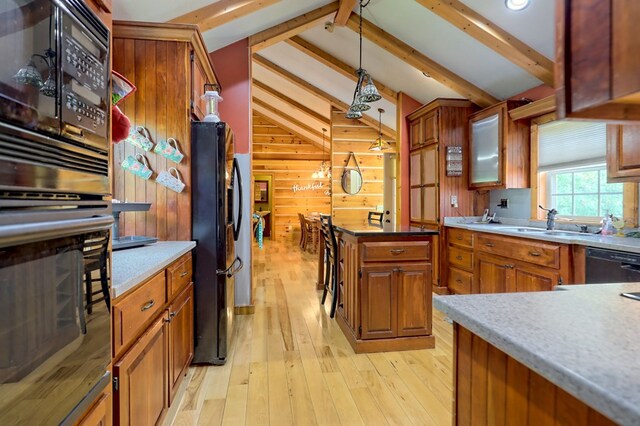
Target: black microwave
<point x="54" y="98"/>
<point x="54" y="71"/>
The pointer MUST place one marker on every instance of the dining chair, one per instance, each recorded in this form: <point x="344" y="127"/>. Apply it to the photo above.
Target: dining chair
<point x="302" y="231"/>
<point x="95" y="253"/>
<point x="331" y="262"/>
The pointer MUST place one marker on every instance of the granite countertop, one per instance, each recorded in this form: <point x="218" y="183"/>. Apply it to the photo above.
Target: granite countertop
<point x="631" y="245"/>
<point x="586" y="340"/>
<point x="131" y="267"/>
<point x="375" y="228"/>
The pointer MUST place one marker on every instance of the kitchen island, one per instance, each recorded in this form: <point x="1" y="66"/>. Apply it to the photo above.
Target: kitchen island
<point x="384" y="286"/>
<point x="561" y="356"/>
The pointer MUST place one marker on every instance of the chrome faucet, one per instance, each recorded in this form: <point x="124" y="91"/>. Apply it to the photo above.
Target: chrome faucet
<point x="551" y="217"/>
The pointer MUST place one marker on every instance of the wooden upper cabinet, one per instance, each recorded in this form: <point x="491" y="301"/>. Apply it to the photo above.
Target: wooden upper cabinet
<point x="623" y="153"/>
<point x="198" y="105"/>
<point x="416" y="131"/>
<point x="430" y="127"/>
<point x="499" y="149"/>
<point x="598" y="59"/>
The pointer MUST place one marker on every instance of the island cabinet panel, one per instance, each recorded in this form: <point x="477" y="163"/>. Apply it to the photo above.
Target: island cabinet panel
<point x="151" y="358"/>
<point x="385" y="291"/>
<point x="623" y="153"/>
<point x="379" y="302"/>
<point x="491" y="388"/>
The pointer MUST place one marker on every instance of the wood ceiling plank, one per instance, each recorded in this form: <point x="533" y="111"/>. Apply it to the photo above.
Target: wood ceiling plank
<point x="291" y="27"/>
<point x="421" y="62"/>
<point x="221" y="12"/>
<point x="320" y="94"/>
<point x="494" y="37"/>
<point x="292" y="102"/>
<point x="337" y="65"/>
<point x="345" y="9"/>
<point x="290" y="120"/>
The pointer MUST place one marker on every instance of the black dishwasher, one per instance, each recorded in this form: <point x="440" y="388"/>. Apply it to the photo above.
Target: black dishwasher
<point x="611" y="266"/>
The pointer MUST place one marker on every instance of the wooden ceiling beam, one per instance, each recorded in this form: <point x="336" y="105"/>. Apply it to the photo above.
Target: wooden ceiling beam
<point x="221" y="12"/>
<point x="337" y="65"/>
<point x="291" y="27"/>
<point x="345" y="9"/>
<point x="291" y="120"/>
<point x="319" y="93"/>
<point x="283" y="126"/>
<point x="292" y="102"/>
<point x="494" y="37"/>
<point x="421" y="62"/>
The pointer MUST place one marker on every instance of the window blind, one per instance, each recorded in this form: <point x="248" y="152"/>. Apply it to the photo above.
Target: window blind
<point x="568" y="144"/>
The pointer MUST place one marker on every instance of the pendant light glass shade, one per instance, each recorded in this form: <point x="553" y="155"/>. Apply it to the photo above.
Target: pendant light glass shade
<point x="358" y="105"/>
<point x="351" y="114"/>
<point x="29" y="74"/>
<point x="379" y="144"/>
<point x="369" y="93"/>
<point x="49" y="86"/>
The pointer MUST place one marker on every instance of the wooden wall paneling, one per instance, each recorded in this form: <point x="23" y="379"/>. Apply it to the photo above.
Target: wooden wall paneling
<point x="161" y="72"/>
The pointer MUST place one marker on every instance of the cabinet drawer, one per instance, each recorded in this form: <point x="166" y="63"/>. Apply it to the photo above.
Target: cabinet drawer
<point x="387" y="252"/>
<point x="459" y="281"/>
<point x="179" y="274"/>
<point x="137" y="309"/>
<point x="536" y="252"/>
<point x="461" y="258"/>
<point x="460" y="237"/>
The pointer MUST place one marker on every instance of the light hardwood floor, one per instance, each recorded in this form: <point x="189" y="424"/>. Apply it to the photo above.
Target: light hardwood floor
<point x="291" y="364"/>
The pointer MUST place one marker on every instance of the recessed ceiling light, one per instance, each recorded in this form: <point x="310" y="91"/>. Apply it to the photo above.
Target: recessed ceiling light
<point x="516" y="4"/>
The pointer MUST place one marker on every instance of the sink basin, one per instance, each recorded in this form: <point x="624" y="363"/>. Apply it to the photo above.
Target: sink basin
<point x="570" y="234"/>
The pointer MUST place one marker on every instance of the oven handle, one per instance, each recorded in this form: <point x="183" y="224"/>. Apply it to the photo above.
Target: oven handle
<point x="13" y="235"/>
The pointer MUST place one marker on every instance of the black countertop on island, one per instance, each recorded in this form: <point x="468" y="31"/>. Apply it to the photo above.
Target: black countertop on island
<point x="375" y="228"/>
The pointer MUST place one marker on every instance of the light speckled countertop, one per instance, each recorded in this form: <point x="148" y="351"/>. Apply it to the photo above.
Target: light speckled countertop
<point x="586" y="341"/>
<point x="631" y="245"/>
<point x="131" y="267"/>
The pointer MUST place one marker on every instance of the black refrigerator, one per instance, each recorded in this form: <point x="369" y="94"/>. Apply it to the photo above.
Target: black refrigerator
<point x="215" y="177"/>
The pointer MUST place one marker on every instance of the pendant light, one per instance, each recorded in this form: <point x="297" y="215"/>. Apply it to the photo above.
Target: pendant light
<point x="325" y="169"/>
<point x="379" y="144"/>
<point x="365" y="91"/>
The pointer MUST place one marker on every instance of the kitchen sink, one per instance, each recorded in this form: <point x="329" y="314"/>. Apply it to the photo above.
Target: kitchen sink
<point x="551" y="232"/>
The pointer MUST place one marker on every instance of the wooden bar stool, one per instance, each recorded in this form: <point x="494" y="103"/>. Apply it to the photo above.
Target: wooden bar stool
<point x="95" y="252"/>
<point x="331" y="262"/>
<point x="302" y="230"/>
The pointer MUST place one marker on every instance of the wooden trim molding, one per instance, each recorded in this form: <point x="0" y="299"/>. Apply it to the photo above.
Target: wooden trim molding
<point x="221" y="12"/>
<point x="534" y="109"/>
<point x="168" y="32"/>
<point x="494" y="37"/>
<point x="292" y="27"/>
<point x="319" y="93"/>
<point x="421" y="62"/>
<point x="337" y="65"/>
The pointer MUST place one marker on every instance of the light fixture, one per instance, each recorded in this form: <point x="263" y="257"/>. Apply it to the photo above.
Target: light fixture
<point x="325" y="168"/>
<point x="379" y="144"/>
<point x="516" y="4"/>
<point x="365" y="91"/>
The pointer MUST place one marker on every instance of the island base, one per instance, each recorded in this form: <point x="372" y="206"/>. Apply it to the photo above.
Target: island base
<point x="385" y="345"/>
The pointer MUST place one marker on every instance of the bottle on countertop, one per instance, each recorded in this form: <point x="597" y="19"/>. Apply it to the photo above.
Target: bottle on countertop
<point x="607" y="225"/>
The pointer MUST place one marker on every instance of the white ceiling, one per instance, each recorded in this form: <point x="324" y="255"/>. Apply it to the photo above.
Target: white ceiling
<point x="405" y="19"/>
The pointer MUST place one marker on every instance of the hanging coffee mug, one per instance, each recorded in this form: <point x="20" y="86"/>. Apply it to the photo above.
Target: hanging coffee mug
<point x="169" y="151"/>
<point x="140" y="137"/>
<point x="137" y="165"/>
<point x="172" y="182"/>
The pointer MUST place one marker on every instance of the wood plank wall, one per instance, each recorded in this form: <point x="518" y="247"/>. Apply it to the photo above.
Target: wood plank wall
<point x="291" y="160"/>
<point x="161" y="72"/>
<point x="352" y="135"/>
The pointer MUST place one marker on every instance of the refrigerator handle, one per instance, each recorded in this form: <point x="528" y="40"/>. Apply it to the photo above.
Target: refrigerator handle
<point x="236" y="172"/>
<point x="230" y="271"/>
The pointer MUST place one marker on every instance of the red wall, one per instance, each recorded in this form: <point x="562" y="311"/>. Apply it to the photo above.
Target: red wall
<point x="406" y="105"/>
<point x="233" y="69"/>
<point x="536" y="93"/>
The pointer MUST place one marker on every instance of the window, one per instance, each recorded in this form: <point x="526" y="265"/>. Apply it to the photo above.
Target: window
<point x="568" y="161"/>
<point x="584" y="193"/>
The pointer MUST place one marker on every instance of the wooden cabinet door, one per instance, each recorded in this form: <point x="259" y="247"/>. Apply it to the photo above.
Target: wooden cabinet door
<point x="199" y="78"/>
<point x="141" y="396"/>
<point x="415" y="131"/>
<point x="415" y="168"/>
<point x="414" y="300"/>
<point x="486" y="143"/>
<point x="493" y="274"/>
<point x="180" y="338"/>
<point x="100" y="413"/>
<point x="430" y="127"/>
<point x="430" y="198"/>
<point x="379" y="306"/>
<point x="533" y="279"/>
<point x="623" y="153"/>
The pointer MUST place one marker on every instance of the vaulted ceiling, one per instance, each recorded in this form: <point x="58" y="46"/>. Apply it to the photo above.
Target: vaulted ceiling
<point x="475" y="49"/>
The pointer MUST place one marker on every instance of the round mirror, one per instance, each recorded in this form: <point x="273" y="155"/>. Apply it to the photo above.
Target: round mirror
<point x="351" y="181"/>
